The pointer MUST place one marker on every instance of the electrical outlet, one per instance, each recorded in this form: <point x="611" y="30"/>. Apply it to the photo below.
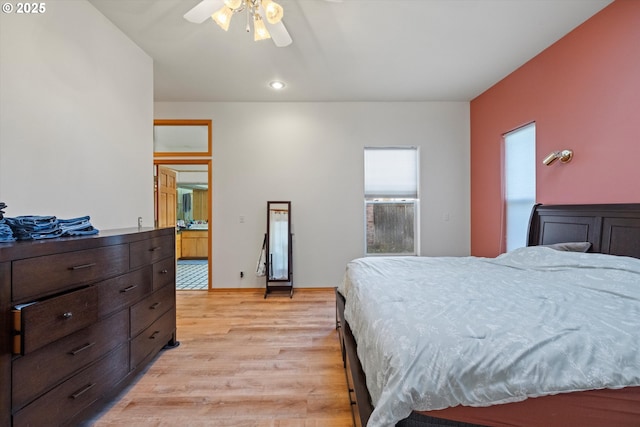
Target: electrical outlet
<point x="241" y="274"/>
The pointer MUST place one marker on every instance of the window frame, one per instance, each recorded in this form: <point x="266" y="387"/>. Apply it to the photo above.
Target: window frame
<point x="508" y="243"/>
<point x="386" y="199"/>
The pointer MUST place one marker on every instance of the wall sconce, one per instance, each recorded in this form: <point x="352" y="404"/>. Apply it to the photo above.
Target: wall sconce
<point x="565" y="156"/>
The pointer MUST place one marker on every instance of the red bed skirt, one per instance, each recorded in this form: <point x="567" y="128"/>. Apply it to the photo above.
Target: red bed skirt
<point x="594" y="408"/>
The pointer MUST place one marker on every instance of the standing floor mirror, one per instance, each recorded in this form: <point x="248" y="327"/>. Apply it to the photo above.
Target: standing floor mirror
<point x="279" y="274"/>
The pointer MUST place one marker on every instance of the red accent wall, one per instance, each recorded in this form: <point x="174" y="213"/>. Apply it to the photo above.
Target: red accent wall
<point x="583" y="92"/>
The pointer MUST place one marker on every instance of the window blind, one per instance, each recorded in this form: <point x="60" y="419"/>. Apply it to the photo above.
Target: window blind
<point x="391" y="172"/>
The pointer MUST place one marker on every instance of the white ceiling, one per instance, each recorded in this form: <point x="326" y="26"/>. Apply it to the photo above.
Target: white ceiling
<point x="349" y="50"/>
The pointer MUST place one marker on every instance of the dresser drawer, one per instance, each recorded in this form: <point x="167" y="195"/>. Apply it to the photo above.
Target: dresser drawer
<point x="153" y="338"/>
<point x="164" y="273"/>
<point x="149" y="251"/>
<point x="149" y="309"/>
<point x="46" y="321"/>
<point x="123" y="291"/>
<point x="37" y="372"/>
<point x="49" y="274"/>
<point x="72" y="396"/>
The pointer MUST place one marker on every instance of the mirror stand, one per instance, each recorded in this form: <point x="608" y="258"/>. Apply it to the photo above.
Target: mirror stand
<point x="279" y="274"/>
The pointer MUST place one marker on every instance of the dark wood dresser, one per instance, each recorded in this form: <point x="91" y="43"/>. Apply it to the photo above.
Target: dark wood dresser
<point x="79" y="319"/>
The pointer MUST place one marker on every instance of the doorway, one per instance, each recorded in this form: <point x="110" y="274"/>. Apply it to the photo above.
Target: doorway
<point x="187" y="205"/>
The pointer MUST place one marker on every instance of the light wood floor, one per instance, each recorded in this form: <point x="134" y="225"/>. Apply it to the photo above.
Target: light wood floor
<point x="244" y="361"/>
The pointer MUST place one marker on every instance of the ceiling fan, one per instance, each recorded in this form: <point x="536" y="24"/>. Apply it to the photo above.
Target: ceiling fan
<point x="221" y="12"/>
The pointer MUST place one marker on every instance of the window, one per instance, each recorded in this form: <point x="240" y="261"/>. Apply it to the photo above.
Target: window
<point x="520" y="183"/>
<point x="391" y="200"/>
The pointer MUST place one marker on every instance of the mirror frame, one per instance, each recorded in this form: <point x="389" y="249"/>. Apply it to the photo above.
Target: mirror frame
<point x="289" y="242"/>
<point x="176" y="122"/>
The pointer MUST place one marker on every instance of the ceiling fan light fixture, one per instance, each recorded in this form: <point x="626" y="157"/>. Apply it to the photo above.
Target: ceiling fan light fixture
<point x="259" y="29"/>
<point x="265" y="14"/>
<point x="274" y="12"/>
<point x="223" y="17"/>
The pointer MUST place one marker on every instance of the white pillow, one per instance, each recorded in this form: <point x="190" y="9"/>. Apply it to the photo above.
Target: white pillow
<point x="570" y="246"/>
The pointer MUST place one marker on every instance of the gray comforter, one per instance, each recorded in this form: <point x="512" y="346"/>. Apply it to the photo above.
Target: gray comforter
<point x="439" y="332"/>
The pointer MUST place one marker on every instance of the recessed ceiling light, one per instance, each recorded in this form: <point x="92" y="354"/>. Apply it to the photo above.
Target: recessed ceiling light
<point x="277" y="85"/>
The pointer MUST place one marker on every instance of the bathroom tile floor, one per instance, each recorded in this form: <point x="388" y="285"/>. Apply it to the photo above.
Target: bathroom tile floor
<point x="192" y="275"/>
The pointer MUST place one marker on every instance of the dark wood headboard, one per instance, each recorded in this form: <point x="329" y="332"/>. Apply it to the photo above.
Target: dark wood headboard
<point x="612" y="229"/>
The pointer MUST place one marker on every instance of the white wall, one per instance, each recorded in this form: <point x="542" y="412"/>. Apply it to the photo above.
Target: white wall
<point x="76" y="117"/>
<point x="312" y="155"/>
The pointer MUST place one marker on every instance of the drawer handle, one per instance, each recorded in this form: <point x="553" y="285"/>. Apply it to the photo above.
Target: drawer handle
<point x="155" y="248"/>
<point x="81" y="349"/>
<point x="153" y="335"/>
<point x="127" y="289"/>
<point x="154" y="306"/>
<point x="83" y="266"/>
<point x="82" y="391"/>
<point x="67" y="315"/>
<point x="165" y="271"/>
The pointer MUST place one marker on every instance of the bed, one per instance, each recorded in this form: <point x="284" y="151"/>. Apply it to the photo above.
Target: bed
<point x="557" y="341"/>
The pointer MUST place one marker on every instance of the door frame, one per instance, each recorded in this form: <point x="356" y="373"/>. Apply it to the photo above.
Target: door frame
<point x="208" y="162"/>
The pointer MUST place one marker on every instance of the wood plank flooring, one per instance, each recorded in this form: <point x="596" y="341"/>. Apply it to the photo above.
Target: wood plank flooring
<point x="244" y="361"/>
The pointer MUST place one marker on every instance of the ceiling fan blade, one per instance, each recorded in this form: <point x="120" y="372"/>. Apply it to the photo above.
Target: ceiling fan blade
<point x="203" y="10"/>
<point x="279" y="34"/>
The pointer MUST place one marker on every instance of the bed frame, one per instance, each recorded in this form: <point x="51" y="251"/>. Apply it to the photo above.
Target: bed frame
<point x="611" y="228"/>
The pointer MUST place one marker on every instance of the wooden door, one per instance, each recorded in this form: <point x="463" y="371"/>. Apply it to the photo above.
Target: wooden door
<point x="167" y="197"/>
